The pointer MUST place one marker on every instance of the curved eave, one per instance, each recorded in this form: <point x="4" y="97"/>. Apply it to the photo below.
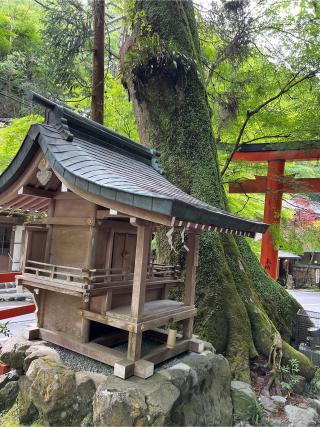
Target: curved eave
<point x="160" y="205"/>
<point x="40" y="135"/>
<point x="21" y="160"/>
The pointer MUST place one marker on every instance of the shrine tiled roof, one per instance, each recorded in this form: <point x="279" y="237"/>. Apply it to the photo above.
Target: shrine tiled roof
<point x="102" y="162"/>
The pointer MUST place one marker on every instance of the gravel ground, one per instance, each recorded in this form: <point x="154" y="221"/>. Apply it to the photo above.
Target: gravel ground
<point x="78" y="362"/>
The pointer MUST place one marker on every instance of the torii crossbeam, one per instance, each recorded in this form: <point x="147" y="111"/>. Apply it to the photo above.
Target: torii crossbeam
<point x="275" y="184"/>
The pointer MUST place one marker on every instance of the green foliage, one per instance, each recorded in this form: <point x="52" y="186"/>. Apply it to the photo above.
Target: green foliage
<point x="68" y="42"/>
<point x="314" y="385"/>
<point x="5" y="33"/>
<point x="11" y="418"/>
<point x="290" y="375"/>
<point x="4" y="329"/>
<point x="251" y="54"/>
<point x="118" y="113"/>
<point x="19" y="24"/>
<point x="255" y="413"/>
<point x="23" y="64"/>
<point x="12" y="136"/>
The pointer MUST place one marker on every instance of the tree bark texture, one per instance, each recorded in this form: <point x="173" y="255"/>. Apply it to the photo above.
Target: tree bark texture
<point x="239" y="306"/>
<point x="97" y="99"/>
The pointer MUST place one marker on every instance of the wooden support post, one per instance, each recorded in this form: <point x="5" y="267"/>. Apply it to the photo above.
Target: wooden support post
<point x="190" y="281"/>
<point x="27" y="247"/>
<point x="123" y="369"/>
<point x="272" y="215"/>
<point x="90" y="263"/>
<point x="106" y="304"/>
<point x="143" y="369"/>
<point x="107" y="300"/>
<point x="47" y="258"/>
<point x="31" y="333"/>
<point x="139" y="287"/>
<point x="50" y="213"/>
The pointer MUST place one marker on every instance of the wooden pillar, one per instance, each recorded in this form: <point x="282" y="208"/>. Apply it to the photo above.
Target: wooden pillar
<point x="190" y="280"/>
<point x="90" y="263"/>
<point x="47" y="258"/>
<point x="26" y="247"/>
<point x="139" y="286"/>
<point x="50" y="213"/>
<point x="272" y="215"/>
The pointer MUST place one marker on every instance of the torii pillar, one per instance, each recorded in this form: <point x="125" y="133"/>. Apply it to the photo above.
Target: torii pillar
<point x="274" y="185"/>
<point x="272" y="215"/>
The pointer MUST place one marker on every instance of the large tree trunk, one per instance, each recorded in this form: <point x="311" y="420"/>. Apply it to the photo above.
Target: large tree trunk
<point x="239" y="306"/>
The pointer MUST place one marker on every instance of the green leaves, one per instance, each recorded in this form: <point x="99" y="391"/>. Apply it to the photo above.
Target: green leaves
<point x="66" y="34"/>
<point x="19" y="26"/>
<point x="12" y="136"/>
<point x="289" y="375"/>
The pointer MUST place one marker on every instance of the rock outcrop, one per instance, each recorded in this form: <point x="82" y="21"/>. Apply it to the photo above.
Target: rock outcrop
<point x="14" y="351"/>
<point x="243" y="399"/>
<point x="195" y="390"/>
<point x="300" y="417"/>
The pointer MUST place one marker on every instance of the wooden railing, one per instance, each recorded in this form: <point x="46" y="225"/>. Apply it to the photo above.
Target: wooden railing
<point x="55" y="272"/>
<point x="80" y="278"/>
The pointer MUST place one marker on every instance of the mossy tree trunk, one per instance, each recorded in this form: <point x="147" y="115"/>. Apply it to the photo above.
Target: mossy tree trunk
<point x="239" y="306"/>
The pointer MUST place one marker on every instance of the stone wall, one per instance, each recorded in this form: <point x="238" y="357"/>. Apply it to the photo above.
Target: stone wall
<point x="193" y="390"/>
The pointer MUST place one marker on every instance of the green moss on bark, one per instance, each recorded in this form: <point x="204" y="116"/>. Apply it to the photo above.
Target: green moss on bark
<point x="239" y="306"/>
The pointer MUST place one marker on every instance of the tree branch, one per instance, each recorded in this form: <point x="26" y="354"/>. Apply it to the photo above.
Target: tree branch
<point x="250" y="113"/>
<point x="280" y="135"/>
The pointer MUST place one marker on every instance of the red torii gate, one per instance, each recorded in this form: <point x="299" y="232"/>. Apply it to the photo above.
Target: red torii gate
<point x="274" y="185"/>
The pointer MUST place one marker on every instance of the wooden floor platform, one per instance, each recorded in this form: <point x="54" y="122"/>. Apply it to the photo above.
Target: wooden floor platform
<point x="155" y="313"/>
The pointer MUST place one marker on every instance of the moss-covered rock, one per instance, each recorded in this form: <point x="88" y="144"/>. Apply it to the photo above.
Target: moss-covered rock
<point x="51" y="387"/>
<point x="8" y="395"/>
<point x="243" y="398"/>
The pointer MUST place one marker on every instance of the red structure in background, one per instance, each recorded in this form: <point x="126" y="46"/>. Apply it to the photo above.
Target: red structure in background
<point x="14" y="311"/>
<point x="8" y="277"/>
<point x="274" y="185"/>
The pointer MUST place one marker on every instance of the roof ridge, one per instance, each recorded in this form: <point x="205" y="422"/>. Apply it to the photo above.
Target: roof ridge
<point x="69" y="124"/>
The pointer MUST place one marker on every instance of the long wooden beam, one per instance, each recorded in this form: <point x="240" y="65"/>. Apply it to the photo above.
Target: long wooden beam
<point x="36" y="192"/>
<point x="287" y="184"/>
<point x="289" y="155"/>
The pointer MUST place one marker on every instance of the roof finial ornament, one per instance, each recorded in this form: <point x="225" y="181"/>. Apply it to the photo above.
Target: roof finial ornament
<point x="54" y="115"/>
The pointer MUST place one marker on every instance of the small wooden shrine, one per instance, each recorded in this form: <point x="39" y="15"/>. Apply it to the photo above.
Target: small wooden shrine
<point x="88" y="260"/>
